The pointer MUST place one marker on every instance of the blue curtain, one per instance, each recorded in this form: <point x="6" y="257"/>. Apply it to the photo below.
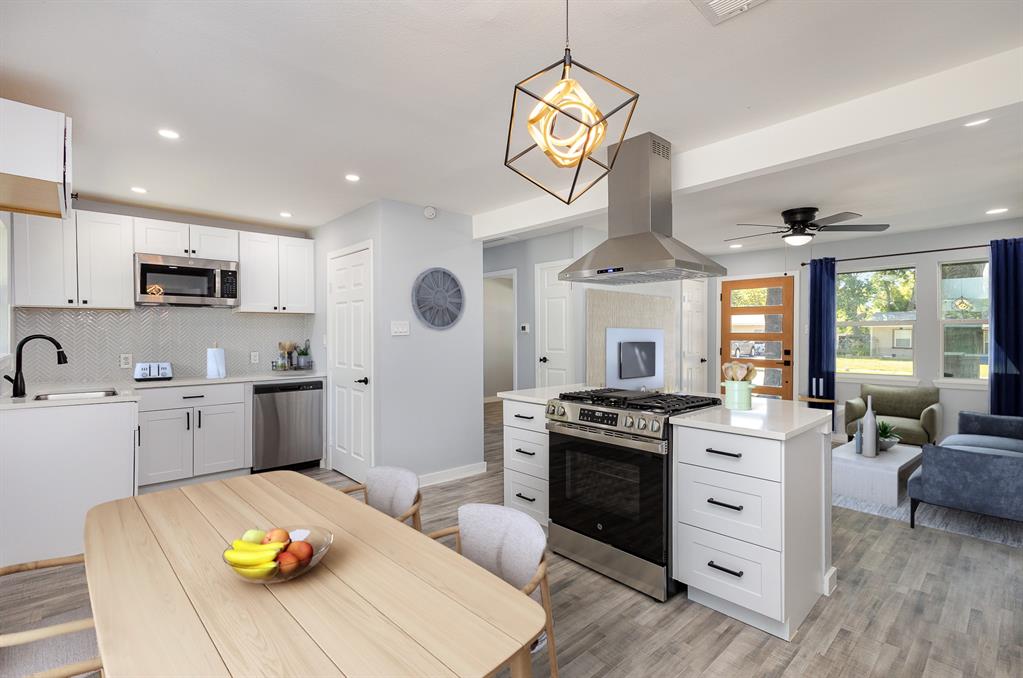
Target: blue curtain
<point x="1006" y="355"/>
<point x="822" y="331"/>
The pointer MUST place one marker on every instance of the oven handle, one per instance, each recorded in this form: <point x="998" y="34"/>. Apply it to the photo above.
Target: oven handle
<point x="659" y="447"/>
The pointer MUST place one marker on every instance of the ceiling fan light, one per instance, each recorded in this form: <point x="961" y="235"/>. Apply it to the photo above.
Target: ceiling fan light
<point x="797" y="239"/>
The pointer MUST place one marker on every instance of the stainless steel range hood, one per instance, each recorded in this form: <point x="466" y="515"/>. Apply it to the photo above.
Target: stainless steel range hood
<point x="639" y="247"/>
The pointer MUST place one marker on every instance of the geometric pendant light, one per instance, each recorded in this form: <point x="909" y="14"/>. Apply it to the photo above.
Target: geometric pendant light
<point x="554" y="137"/>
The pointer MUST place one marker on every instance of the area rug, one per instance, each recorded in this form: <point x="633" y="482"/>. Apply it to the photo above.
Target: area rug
<point x="997" y="530"/>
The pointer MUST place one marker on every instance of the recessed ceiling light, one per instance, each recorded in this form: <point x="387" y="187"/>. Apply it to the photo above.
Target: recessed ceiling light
<point x="736" y="246"/>
<point x="352" y="177"/>
<point x="974" y="123"/>
<point x="138" y="189"/>
<point x="286" y="215"/>
<point x="169" y="134"/>
<point x="997" y="210"/>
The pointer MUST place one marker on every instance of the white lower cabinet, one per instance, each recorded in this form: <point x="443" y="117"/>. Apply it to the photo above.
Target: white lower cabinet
<point x="525" y="458"/>
<point x="165" y="449"/>
<point x="219" y="438"/>
<point x="527" y="494"/>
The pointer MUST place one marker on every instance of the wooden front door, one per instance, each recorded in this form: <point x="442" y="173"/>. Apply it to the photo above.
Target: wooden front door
<point x="757" y="327"/>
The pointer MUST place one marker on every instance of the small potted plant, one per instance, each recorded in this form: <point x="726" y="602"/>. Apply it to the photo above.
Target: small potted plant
<point x="304" y="361"/>
<point x="886" y="435"/>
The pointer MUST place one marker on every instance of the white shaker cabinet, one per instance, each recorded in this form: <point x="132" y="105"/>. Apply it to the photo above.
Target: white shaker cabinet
<point x="219" y="438"/>
<point x="45" y="261"/>
<point x="295" y="271"/>
<point x="257" y="272"/>
<point x="165" y="449"/>
<point x="155" y="236"/>
<point x="106" y="271"/>
<point x="206" y="242"/>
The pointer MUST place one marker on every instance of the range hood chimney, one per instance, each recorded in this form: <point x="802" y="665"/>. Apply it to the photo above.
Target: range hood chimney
<point x="640" y="247"/>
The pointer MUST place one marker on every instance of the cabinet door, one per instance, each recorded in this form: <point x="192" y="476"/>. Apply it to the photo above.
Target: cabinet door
<point x="207" y="242"/>
<point x="219" y="438"/>
<point x="106" y="272"/>
<point x="45" y="268"/>
<point x="165" y="452"/>
<point x="296" y="275"/>
<point x="257" y="272"/>
<point x="153" y="236"/>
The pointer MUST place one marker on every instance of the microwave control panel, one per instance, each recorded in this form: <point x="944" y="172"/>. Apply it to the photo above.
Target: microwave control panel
<point x="228" y="284"/>
<point x="598" y="417"/>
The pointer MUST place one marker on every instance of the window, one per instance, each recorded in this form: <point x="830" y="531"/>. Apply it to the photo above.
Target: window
<point x="963" y="317"/>
<point x="876" y="314"/>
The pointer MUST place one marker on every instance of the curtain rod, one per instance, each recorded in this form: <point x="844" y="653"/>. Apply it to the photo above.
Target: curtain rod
<point x="903" y="254"/>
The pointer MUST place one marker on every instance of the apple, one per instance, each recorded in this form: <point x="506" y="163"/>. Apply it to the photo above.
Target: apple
<point x="302" y="550"/>
<point x="277" y="534"/>
<point x="287" y="562"/>
<point x="254" y="536"/>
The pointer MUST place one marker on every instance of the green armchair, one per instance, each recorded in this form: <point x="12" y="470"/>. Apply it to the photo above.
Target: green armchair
<point x="914" y="411"/>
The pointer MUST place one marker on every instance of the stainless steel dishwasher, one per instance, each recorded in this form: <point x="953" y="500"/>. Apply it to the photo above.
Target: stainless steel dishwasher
<point x="287" y="424"/>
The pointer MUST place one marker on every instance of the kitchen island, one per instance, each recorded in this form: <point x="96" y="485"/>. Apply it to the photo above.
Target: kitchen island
<point x="752" y="511"/>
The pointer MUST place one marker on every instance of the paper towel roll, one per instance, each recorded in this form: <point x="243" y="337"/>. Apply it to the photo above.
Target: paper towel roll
<point x="216" y="367"/>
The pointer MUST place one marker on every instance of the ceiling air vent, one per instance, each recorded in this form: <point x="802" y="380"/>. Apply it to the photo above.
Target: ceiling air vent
<point x="717" y="11"/>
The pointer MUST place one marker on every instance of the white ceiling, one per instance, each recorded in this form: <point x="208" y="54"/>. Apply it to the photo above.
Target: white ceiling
<point x="276" y="101"/>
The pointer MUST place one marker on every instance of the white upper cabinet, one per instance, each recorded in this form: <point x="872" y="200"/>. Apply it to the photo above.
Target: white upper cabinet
<point x="35" y="163"/>
<point x="45" y="263"/>
<point x="105" y="264"/>
<point x="296" y="275"/>
<point x="207" y="242"/>
<point x="257" y="272"/>
<point x="154" y="236"/>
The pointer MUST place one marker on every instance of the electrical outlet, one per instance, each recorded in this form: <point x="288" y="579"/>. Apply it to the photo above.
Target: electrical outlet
<point x="524" y="328"/>
<point x="254" y="357"/>
<point x="125" y="361"/>
<point x="399" y="328"/>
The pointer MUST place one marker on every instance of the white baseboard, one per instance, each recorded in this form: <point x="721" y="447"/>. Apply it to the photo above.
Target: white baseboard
<point x="452" y="474"/>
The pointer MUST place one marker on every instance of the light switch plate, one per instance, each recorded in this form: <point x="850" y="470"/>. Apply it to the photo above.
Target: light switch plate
<point x="524" y="328"/>
<point x="254" y="357"/>
<point x="125" y="361"/>
<point x="399" y="328"/>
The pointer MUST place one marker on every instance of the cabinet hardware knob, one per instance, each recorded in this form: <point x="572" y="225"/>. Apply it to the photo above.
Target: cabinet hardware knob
<point x="85" y="301"/>
<point x="70" y="301"/>
<point x="188" y="421"/>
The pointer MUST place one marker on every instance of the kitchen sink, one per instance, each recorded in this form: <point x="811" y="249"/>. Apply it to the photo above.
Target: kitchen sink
<point x="77" y="395"/>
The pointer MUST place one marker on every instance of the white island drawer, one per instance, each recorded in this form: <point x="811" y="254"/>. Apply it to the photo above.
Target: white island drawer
<point x="190" y="396"/>
<point x="531" y="416"/>
<point x="741" y="573"/>
<point x="736" y="506"/>
<point x="526" y="451"/>
<point x="757" y="457"/>
<point x="527" y="494"/>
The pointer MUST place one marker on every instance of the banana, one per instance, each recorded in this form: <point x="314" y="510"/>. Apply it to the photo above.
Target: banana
<point x="240" y="545"/>
<point x="262" y="571"/>
<point x="249" y="558"/>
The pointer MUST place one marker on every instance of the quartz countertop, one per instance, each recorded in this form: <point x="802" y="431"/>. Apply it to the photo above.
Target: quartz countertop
<point x="769" y="418"/>
<point x="541" y="395"/>
<point x="289" y="375"/>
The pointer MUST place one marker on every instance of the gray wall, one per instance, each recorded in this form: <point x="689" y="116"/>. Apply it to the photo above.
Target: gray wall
<point x="498" y="336"/>
<point x="926" y="339"/>
<point x="429" y="385"/>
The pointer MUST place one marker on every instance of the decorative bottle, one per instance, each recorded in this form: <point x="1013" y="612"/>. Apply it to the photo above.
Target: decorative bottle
<point x="870" y="430"/>
<point x="858" y="437"/>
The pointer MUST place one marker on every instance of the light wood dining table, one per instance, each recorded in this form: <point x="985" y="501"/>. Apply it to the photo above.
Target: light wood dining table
<point x="386" y="600"/>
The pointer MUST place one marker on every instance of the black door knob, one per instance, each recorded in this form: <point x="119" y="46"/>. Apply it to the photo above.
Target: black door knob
<point x="703" y="360"/>
<point x="364" y="380"/>
<point x="543" y="359"/>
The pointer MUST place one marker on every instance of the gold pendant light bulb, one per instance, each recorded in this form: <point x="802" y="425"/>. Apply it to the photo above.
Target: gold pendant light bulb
<point x="567" y="151"/>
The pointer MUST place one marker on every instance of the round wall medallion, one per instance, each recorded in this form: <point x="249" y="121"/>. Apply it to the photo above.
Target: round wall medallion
<point x="437" y="298"/>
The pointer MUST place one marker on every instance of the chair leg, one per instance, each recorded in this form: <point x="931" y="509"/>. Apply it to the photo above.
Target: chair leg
<point x="545" y="596"/>
<point x="417" y="521"/>
<point x="913" y="503"/>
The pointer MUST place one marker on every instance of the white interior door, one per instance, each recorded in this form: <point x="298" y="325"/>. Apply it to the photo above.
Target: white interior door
<point x="554" y="365"/>
<point x="694" y="336"/>
<point x="350" y="349"/>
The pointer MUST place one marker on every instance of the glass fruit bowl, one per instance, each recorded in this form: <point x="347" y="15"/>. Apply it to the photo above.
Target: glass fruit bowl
<point x="277" y="554"/>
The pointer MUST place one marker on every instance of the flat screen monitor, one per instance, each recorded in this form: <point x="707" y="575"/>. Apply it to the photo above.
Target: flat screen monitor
<point x="637" y="359"/>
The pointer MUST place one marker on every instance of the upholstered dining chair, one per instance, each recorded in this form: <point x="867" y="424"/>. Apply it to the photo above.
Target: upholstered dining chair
<point x="513" y="546"/>
<point x="394" y="491"/>
<point x="24" y="637"/>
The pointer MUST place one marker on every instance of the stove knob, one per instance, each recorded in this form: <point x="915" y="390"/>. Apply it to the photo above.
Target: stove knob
<point x="561" y="410"/>
<point x="642" y="424"/>
<point x="551" y="408"/>
<point x="655" y="426"/>
<point x="629" y="421"/>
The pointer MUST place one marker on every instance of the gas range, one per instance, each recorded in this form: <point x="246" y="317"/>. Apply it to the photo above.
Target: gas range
<point x="634" y="413"/>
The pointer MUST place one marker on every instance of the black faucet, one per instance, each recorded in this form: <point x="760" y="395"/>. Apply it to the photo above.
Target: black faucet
<point x="19" y="378"/>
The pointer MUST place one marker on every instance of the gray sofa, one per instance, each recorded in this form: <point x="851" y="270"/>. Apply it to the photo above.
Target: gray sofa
<point x="978" y="469"/>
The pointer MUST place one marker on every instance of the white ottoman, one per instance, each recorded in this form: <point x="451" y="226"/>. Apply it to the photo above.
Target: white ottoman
<point x="879" y="478"/>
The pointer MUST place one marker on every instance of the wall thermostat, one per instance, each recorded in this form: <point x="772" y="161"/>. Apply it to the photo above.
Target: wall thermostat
<point x="430" y="212"/>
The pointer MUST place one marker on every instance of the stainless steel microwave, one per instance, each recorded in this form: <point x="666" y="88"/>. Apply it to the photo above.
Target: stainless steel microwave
<point x="185" y="281"/>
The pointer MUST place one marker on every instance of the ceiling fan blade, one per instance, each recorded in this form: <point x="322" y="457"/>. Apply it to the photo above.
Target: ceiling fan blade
<point x="764" y="225"/>
<point x="854" y="227"/>
<point x="756" y="235"/>
<point x="835" y="218"/>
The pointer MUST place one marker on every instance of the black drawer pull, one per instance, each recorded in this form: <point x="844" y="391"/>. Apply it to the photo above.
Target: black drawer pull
<point x="188" y="420"/>
<point x="522" y="451"/>
<point x="522" y="496"/>
<point x="522" y="416"/>
<point x="724" y="569"/>
<point x="192" y="397"/>
<point x="736" y="455"/>
<point x="722" y="504"/>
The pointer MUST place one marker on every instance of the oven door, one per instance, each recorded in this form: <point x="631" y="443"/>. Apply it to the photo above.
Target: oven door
<point x="612" y="489"/>
<point x="184" y="281"/>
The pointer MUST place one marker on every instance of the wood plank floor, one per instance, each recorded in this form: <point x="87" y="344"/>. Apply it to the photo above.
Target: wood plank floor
<point x="909" y="603"/>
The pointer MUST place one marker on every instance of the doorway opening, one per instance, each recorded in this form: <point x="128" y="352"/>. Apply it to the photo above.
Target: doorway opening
<point x="500" y="325"/>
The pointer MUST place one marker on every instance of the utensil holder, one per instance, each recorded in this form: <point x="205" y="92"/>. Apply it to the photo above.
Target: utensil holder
<point x="738" y="395"/>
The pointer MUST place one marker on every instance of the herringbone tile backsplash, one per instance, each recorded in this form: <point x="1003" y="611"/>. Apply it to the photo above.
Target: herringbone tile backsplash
<point x="94" y="339"/>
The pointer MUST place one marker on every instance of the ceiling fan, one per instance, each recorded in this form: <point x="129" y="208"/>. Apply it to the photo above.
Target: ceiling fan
<point x="802" y="224"/>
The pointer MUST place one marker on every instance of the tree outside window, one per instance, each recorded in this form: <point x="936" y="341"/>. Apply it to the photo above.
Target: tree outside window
<point x="875" y="313"/>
